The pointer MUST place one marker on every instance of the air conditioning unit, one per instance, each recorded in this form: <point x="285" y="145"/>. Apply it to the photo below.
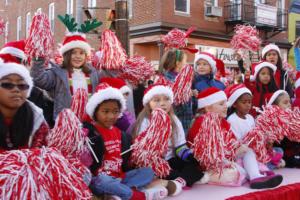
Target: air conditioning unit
<point x="213" y="11"/>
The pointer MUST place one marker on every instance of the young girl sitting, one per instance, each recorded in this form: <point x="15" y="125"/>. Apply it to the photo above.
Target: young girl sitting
<point x="184" y="168"/>
<point x="225" y="169"/>
<point x="63" y="81"/>
<point x="264" y="85"/>
<point x="287" y="149"/>
<point x="172" y="62"/>
<point x="22" y="123"/>
<point x="108" y="142"/>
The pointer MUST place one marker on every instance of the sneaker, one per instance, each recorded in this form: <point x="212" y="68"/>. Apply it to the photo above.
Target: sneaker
<point x="266" y="182"/>
<point x="204" y="179"/>
<point x="174" y="187"/>
<point x="112" y="197"/>
<point x="156" y="193"/>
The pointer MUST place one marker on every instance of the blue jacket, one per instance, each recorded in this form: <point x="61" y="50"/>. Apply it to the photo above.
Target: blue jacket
<point x="203" y="82"/>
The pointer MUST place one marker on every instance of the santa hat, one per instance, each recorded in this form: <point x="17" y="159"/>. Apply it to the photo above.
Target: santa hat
<point x="75" y="40"/>
<point x="268" y="48"/>
<point x="234" y="92"/>
<point x="104" y="92"/>
<point x="272" y="98"/>
<point x="15" y="48"/>
<point x="297" y="82"/>
<point x="209" y="58"/>
<point x="116" y="83"/>
<point x="157" y="89"/>
<point x="220" y="67"/>
<point x="260" y="66"/>
<point x="14" y="68"/>
<point x="210" y="96"/>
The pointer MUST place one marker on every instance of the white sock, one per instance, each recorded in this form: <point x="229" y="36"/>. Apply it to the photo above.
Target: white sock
<point x="251" y="165"/>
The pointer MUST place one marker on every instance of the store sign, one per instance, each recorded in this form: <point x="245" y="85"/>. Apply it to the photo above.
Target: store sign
<point x="225" y="54"/>
<point x="266" y="14"/>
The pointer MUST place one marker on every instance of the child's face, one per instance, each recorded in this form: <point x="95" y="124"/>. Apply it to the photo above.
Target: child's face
<point x="272" y="57"/>
<point x="219" y="108"/>
<point x="284" y="102"/>
<point x="264" y="76"/>
<point x="243" y="104"/>
<point x="13" y="90"/>
<point x="203" y="67"/>
<point x="180" y="64"/>
<point x="107" y="114"/>
<point x="160" y="101"/>
<point x="78" y="58"/>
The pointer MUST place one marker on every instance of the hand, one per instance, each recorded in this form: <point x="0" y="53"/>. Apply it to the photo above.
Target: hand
<point x="195" y="93"/>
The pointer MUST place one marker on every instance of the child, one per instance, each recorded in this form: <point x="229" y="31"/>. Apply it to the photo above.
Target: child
<point x="184" y="168"/>
<point x="63" y="81"/>
<point x="287" y="149"/>
<point x="105" y="107"/>
<point x="22" y="123"/>
<point x="213" y="100"/>
<point x="126" y="121"/>
<point x="271" y="53"/>
<point x="263" y="86"/>
<point x="172" y="62"/>
<point x="206" y="67"/>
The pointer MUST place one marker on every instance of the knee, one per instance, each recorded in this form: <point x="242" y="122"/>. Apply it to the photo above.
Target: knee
<point x="147" y="172"/>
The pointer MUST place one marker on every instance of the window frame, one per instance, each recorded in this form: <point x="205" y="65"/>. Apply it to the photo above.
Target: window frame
<point x="188" y="8"/>
<point x="19" y="27"/>
<point x="70" y="7"/>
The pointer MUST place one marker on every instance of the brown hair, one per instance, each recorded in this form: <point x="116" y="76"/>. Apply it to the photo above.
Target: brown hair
<point x="145" y="113"/>
<point x="67" y="63"/>
<point x="276" y="102"/>
<point x="169" y="59"/>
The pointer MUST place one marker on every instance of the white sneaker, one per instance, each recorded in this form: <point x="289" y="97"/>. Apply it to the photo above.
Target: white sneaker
<point x="204" y="179"/>
<point x="156" y="193"/>
<point x="175" y="187"/>
<point x="112" y="197"/>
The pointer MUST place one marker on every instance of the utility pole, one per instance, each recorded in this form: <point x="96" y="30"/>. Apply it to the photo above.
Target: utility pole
<point x="122" y="29"/>
<point x="79" y="11"/>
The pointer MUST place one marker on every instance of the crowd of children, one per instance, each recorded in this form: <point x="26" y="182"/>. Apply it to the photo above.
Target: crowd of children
<point x="222" y="158"/>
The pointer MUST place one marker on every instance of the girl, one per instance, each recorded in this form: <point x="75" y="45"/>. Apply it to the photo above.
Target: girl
<point x="172" y="62"/>
<point x="126" y="121"/>
<point x="63" y="81"/>
<point x="22" y="123"/>
<point x="271" y="53"/>
<point x="287" y="149"/>
<point x="213" y="100"/>
<point x="105" y="107"/>
<point x="263" y="86"/>
<point x="184" y="168"/>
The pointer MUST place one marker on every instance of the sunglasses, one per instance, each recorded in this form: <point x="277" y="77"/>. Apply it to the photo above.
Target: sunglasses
<point x="10" y="86"/>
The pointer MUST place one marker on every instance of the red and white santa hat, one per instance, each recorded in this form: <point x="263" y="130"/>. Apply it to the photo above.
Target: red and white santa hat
<point x="158" y="89"/>
<point x="272" y="98"/>
<point x="210" y="96"/>
<point x="15" y="48"/>
<point x="14" y="68"/>
<point x="234" y="92"/>
<point x="116" y="83"/>
<point x="209" y="58"/>
<point x="104" y="92"/>
<point x="256" y="68"/>
<point x="268" y="48"/>
<point x="297" y="82"/>
<point x="75" y="40"/>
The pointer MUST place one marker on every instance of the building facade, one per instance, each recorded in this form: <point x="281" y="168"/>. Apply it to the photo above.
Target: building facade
<point x="150" y="19"/>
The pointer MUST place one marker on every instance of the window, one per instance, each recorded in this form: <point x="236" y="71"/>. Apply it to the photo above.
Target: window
<point x="19" y="27"/>
<point x="28" y="23"/>
<point x="297" y="29"/>
<point x="39" y="11"/>
<point x="51" y="16"/>
<point x="6" y="32"/>
<point x="214" y="3"/>
<point x="182" y="6"/>
<point x="92" y="4"/>
<point x="70" y="7"/>
<point x="130" y="8"/>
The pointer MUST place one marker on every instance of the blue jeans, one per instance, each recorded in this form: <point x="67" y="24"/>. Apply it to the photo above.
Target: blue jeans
<point x="137" y="178"/>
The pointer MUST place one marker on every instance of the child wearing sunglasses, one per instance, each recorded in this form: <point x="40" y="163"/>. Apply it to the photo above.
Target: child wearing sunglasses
<point x="22" y="123"/>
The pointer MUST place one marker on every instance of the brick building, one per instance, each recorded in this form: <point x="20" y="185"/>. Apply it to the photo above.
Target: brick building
<point x="149" y="19"/>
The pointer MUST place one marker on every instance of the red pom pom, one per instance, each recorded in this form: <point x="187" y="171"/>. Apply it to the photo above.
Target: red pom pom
<point x="177" y="38"/>
<point x="137" y="69"/>
<point x="182" y="85"/>
<point x="40" y="174"/>
<point x="113" y="54"/>
<point x="40" y="42"/>
<point x="78" y="103"/>
<point x="150" y="146"/>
